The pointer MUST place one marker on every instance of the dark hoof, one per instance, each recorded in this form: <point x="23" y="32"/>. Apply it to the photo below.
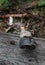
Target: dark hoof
<point x="28" y="47"/>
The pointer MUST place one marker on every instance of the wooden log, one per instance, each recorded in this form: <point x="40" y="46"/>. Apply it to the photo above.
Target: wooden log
<point x="13" y="15"/>
<point x="23" y="15"/>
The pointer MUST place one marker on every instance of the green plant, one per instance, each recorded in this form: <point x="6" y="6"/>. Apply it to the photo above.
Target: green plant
<point x="41" y="3"/>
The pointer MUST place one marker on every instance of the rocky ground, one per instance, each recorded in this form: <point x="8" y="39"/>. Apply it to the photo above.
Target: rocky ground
<point x="13" y="55"/>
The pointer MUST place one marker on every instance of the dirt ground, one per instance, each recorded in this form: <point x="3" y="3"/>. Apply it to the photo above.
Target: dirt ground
<point x="13" y="55"/>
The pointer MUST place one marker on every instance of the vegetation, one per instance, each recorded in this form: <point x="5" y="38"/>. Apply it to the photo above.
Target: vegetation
<point x="36" y="9"/>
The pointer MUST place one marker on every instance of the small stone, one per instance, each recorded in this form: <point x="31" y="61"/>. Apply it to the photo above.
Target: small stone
<point x="12" y="42"/>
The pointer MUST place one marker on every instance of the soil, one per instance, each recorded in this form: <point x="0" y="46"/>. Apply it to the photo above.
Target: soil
<point x="14" y="55"/>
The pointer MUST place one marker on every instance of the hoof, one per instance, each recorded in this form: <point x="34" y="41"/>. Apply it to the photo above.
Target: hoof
<point x="28" y="47"/>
